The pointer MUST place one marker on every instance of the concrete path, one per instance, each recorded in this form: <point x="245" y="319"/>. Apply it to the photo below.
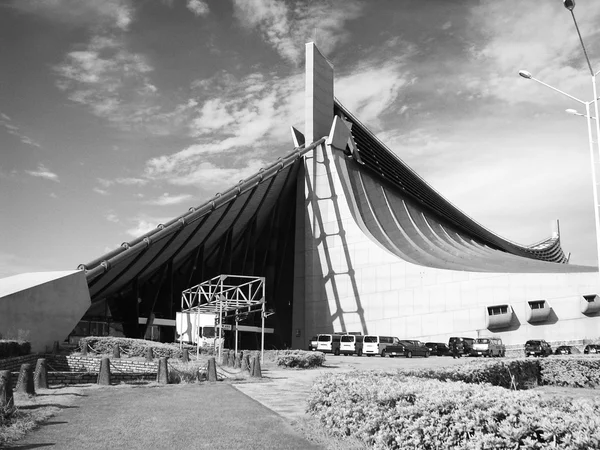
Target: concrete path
<point x="194" y="416"/>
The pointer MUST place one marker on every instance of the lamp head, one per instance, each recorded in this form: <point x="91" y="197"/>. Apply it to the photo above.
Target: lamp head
<point x="525" y="74"/>
<point x="569" y="4"/>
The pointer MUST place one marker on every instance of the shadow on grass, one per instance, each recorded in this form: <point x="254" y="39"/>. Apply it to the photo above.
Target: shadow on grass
<point x="46" y="405"/>
<point x="57" y="395"/>
<point x="45" y="424"/>
<point x="29" y="446"/>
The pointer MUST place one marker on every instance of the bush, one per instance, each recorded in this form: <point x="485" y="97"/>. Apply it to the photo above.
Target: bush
<point x="299" y="358"/>
<point x="11" y="348"/>
<point x="570" y="371"/>
<point x="514" y="373"/>
<point x="131" y="347"/>
<point x="388" y="411"/>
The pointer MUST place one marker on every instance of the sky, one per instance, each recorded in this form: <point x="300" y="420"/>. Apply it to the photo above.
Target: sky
<point x="118" y="115"/>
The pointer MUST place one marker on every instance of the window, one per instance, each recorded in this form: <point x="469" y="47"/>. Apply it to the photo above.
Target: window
<point x="372" y="339"/>
<point x="590" y="297"/>
<point x="497" y="310"/>
<point x="482" y="341"/>
<point x="347" y="338"/>
<point x="537" y="304"/>
<point x="324" y="338"/>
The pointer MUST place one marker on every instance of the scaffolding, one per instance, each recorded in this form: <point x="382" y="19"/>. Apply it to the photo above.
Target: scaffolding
<point x="227" y="296"/>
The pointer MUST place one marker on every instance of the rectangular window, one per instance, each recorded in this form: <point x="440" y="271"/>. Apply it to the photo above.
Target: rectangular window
<point x="497" y="310"/>
<point x="537" y="304"/>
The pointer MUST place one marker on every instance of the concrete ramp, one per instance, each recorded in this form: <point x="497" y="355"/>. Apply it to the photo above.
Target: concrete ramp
<point x="42" y="307"/>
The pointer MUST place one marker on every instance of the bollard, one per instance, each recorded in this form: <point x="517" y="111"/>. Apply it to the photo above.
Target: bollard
<point x="185" y="356"/>
<point x="256" y="372"/>
<point x="116" y="352"/>
<point x="104" y="373"/>
<point x="224" y="357"/>
<point x="149" y="354"/>
<point x="211" y="370"/>
<point x="25" y="383"/>
<point x="162" y="376"/>
<point x="246" y="362"/>
<point x="252" y="361"/>
<point x="55" y="348"/>
<point x="237" y="364"/>
<point x="40" y="376"/>
<point x="84" y="350"/>
<point x="6" y="392"/>
<point x="231" y="358"/>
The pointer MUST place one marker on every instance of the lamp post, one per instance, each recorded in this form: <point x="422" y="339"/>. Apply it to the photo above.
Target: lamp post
<point x="570" y="5"/>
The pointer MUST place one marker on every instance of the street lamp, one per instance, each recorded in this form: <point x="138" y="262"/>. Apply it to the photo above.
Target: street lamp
<point x="570" y="5"/>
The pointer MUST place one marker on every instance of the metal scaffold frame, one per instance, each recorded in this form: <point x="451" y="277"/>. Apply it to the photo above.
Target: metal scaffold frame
<point x="223" y="294"/>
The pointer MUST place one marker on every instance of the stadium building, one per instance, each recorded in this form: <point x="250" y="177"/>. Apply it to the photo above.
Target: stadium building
<point x="348" y="238"/>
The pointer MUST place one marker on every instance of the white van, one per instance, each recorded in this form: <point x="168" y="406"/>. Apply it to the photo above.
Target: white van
<point x="375" y="345"/>
<point x="488" y="347"/>
<point x="351" y="344"/>
<point x="329" y="343"/>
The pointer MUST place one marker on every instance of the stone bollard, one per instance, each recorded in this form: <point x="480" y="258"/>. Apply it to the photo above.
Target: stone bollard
<point x="211" y="369"/>
<point x="40" y="376"/>
<point x="231" y="359"/>
<point x="149" y="354"/>
<point x="246" y="362"/>
<point x="162" y="377"/>
<point x="104" y="373"/>
<point x="224" y="357"/>
<point x="185" y="356"/>
<point x="6" y="392"/>
<point x="237" y="364"/>
<point x="116" y="352"/>
<point x="251" y="368"/>
<point x="25" y="383"/>
<point x="256" y="372"/>
<point x="84" y="350"/>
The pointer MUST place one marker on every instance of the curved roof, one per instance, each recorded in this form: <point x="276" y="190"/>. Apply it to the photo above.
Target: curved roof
<point x="385" y="165"/>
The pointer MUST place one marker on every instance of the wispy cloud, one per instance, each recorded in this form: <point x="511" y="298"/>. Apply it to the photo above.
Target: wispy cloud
<point x="97" y="190"/>
<point x="11" y="128"/>
<point x="111" y="13"/>
<point x="198" y="7"/>
<point x="286" y="26"/>
<point x="143" y="224"/>
<point x="166" y="199"/>
<point x="127" y="181"/>
<point x="112" y="217"/>
<point x="43" y="172"/>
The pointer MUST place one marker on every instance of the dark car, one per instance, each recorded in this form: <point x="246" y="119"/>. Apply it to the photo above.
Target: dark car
<point x="537" y="347"/>
<point x="437" y="348"/>
<point x="591" y="349"/>
<point x="464" y="344"/>
<point x="563" y="350"/>
<point x="407" y="348"/>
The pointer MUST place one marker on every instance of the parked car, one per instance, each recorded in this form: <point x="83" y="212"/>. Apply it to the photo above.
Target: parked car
<point x="488" y="347"/>
<point x="407" y="348"/>
<point x="563" y="350"/>
<point x="464" y="344"/>
<point x="537" y="347"/>
<point x="376" y="345"/>
<point x="591" y="349"/>
<point x="329" y="343"/>
<point x="312" y="343"/>
<point x="437" y="348"/>
<point x="351" y="344"/>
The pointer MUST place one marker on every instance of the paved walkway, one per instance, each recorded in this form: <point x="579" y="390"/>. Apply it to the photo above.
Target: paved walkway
<point x="205" y="416"/>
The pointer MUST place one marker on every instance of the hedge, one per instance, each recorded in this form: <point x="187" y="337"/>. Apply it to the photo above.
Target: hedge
<point x="570" y="371"/>
<point x="131" y="347"/>
<point x="389" y="411"/>
<point x="299" y="358"/>
<point x="11" y="348"/>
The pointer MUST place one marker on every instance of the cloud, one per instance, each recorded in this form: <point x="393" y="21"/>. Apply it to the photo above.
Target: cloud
<point x="43" y="172"/>
<point x="286" y="26"/>
<point x="112" y="217"/>
<point x="97" y="190"/>
<point x="107" y="13"/>
<point x="127" y="181"/>
<point x="11" y="128"/>
<point x="198" y="7"/>
<point x="166" y="199"/>
<point x="145" y="224"/>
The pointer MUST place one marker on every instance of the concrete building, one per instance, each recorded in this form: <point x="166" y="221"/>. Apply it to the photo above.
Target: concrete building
<point x="349" y="239"/>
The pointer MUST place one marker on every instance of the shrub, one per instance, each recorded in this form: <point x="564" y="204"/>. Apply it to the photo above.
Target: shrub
<point x="131" y="347"/>
<point x="570" y="371"/>
<point x="515" y="373"/>
<point x="188" y="372"/>
<point x="388" y="411"/>
<point x="299" y="358"/>
<point x="11" y="348"/>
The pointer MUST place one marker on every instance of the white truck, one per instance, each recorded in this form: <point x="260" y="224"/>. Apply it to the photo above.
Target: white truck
<point x="191" y="326"/>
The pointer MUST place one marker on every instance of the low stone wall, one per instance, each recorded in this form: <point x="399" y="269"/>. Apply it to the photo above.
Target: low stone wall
<point x="15" y="362"/>
<point x="60" y="378"/>
<point x="65" y="363"/>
